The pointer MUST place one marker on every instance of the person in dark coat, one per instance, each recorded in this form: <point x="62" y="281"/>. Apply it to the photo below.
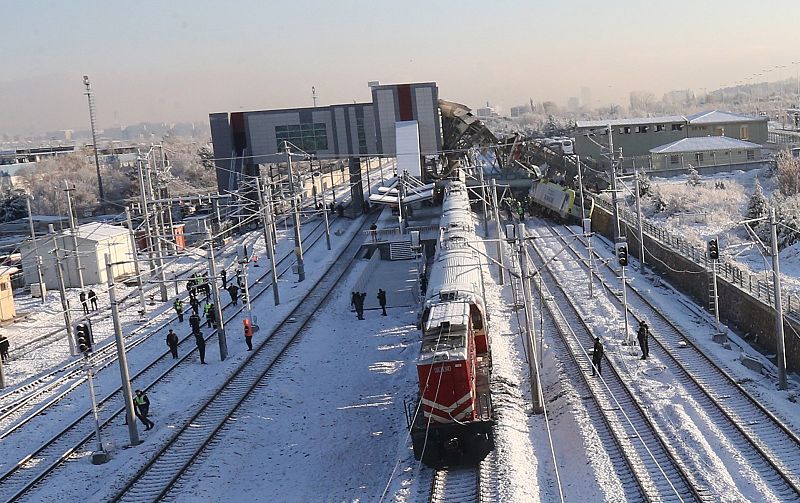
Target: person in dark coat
<point x="597" y="356"/>
<point x="195" y="304"/>
<point x="233" y="291"/>
<point x="382" y="300"/>
<point x="641" y="336"/>
<point x="423" y="284"/>
<point x="142" y="408"/>
<point x="353" y="299"/>
<point x="201" y="346"/>
<point x="178" y="306"/>
<point x="373" y="230"/>
<point x="194" y="322"/>
<point x="192" y="289"/>
<point x="4" y="347"/>
<point x="211" y="316"/>
<point x="224" y="275"/>
<point x="340" y="210"/>
<point x="93" y="299"/>
<point x="360" y="304"/>
<point x="82" y="297"/>
<point x="172" y="342"/>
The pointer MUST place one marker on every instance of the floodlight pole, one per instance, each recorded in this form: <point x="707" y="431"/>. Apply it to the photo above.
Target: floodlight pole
<point x="90" y="99"/>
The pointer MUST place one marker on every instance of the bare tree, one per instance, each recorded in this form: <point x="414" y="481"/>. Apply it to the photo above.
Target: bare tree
<point x="788" y="174"/>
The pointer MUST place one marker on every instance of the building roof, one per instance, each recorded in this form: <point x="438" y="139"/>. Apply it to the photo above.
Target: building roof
<point x="97" y="231"/>
<point x="630" y="121"/>
<point x="7" y="269"/>
<point x="717" y="117"/>
<point x="703" y="144"/>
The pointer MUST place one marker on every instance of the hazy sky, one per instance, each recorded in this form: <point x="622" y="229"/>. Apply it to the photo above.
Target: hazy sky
<point x="179" y="60"/>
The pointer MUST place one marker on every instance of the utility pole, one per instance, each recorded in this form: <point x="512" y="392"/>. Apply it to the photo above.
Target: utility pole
<point x="145" y="213"/>
<point x="501" y="266"/>
<point x="327" y="224"/>
<point x="122" y="357"/>
<point x="89" y="97"/>
<point x="244" y="259"/>
<point x="536" y="390"/>
<point x="298" y="240"/>
<point x="267" y="220"/>
<point x="74" y="231"/>
<point x="132" y="235"/>
<point x="212" y="276"/>
<point x="776" y="282"/>
<point x="483" y="198"/>
<point x="64" y="301"/>
<point x="639" y="223"/>
<point x="42" y="286"/>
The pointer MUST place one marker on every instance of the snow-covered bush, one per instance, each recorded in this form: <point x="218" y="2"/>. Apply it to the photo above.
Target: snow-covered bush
<point x="693" y="178"/>
<point x="758" y="206"/>
<point x="788" y="174"/>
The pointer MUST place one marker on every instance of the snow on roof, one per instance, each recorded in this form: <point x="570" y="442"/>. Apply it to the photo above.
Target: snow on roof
<point x="7" y="269"/>
<point x="716" y="117"/>
<point x="97" y="231"/>
<point x="703" y="144"/>
<point x="631" y="121"/>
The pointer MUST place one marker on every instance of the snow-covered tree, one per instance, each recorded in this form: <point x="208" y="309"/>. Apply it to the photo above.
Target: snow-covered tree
<point x="693" y="178"/>
<point x="788" y="174"/>
<point x="645" y="185"/>
<point x="758" y="206"/>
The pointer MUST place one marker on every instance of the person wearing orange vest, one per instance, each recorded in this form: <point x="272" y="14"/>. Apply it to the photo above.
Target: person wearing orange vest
<point x="248" y="334"/>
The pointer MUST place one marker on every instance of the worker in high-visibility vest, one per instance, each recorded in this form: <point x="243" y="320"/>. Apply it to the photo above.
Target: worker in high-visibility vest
<point x="141" y="405"/>
<point x="248" y="334"/>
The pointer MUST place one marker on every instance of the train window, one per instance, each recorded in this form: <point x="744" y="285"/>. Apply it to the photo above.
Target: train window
<point x="477" y="319"/>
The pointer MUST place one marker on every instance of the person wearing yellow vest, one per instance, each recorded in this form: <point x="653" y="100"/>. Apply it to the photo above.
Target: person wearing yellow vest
<point x="142" y="405"/>
<point x="248" y="334"/>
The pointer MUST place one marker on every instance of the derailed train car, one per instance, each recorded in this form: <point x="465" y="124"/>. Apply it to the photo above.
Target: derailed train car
<point x="452" y="422"/>
<point x="559" y="200"/>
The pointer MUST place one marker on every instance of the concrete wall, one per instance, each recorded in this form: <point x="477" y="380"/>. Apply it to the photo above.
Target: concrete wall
<point x="741" y="312"/>
<point x="755" y="131"/>
<point x="727" y="159"/>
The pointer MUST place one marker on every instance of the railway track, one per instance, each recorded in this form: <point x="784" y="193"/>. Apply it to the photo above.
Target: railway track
<point x="653" y="471"/>
<point x="160" y="478"/>
<point x="32" y="469"/>
<point x="48" y="390"/>
<point x="757" y="433"/>
<point x="464" y="484"/>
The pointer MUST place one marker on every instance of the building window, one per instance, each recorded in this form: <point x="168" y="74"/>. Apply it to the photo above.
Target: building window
<point x="677" y="127"/>
<point x="698" y="157"/>
<point x="642" y="129"/>
<point x="751" y="155"/>
<point x="362" y="136"/>
<point x="744" y="134"/>
<point x="3" y="286"/>
<point x="674" y="159"/>
<point x="307" y="137"/>
<point x="627" y="130"/>
<point x="660" y="128"/>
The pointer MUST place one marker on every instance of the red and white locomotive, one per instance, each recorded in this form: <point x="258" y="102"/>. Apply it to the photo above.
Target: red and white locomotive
<point x="453" y="420"/>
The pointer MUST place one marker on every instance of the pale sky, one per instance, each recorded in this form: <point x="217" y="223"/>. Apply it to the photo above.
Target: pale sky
<point x="179" y="60"/>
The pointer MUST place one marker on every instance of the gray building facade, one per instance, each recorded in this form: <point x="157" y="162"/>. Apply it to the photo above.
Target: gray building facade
<point x="243" y="140"/>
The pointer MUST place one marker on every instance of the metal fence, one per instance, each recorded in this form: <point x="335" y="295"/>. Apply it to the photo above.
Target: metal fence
<point x="758" y="288"/>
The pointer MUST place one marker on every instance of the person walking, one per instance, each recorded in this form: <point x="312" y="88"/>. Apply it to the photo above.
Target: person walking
<point x="211" y="316"/>
<point x="224" y="275"/>
<point x="641" y="336"/>
<point x="360" y="304"/>
<point x="178" y="305"/>
<point x="373" y="230"/>
<point x="172" y="342"/>
<point x="248" y="334"/>
<point x="233" y="291"/>
<point x="382" y="300"/>
<point x="4" y="347"/>
<point x="192" y="289"/>
<point x="194" y="304"/>
<point x="142" y="407"/>
<point x="93" y="300"/>
<point x="353" y="297"/>
<point x="207" y="311"/>
<point x="82" y="297"/>
<point x="194" y="322"/>
<point x="597" y="356"/>
<point x="201" y="346"/>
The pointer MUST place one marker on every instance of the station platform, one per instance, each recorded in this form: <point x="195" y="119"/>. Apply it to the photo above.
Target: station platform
<point x="397" y="277"/>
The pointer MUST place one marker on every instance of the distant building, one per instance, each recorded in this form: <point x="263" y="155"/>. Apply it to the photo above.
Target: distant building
<point x="638" y="136"/>
<point x="586" y="97"/>
<point x="520" y="110"/>
<point x="573" y="104"/>
<point x="718" y="152"/>
<point x="486" y="112"/>
<point x="243" y="140"/>
<point x="94" y="241"/>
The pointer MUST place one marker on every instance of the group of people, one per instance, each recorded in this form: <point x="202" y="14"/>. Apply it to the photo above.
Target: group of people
<point x="87" y="298"/>
<point x="642" y="336"/>
<point x="357" y="302"/>
<point x="198" y="283"/>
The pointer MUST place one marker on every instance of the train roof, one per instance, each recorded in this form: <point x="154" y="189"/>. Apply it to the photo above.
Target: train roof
<point x="456" y="274"/>
<point x="446" y="334"/>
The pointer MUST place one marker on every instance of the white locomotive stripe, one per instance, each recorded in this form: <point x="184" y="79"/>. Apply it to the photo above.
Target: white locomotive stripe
<point x="447" y="408"/>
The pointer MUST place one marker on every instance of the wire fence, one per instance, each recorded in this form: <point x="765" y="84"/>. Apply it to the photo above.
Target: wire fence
<point x="758" y="288"/>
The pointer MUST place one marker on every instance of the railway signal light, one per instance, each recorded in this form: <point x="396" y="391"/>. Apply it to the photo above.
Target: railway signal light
<point x="622" y="254"/>
<point x="713" y="249"/>
<point x="83" y="337"/>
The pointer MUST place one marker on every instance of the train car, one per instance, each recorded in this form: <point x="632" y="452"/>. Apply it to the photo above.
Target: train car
<point x="559" y="200"/>
<point x="454" y="425"/>
<point x="453" y="420"/>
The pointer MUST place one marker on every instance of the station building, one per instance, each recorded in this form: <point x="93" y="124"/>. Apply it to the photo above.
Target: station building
<point x="248" y="138"/>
